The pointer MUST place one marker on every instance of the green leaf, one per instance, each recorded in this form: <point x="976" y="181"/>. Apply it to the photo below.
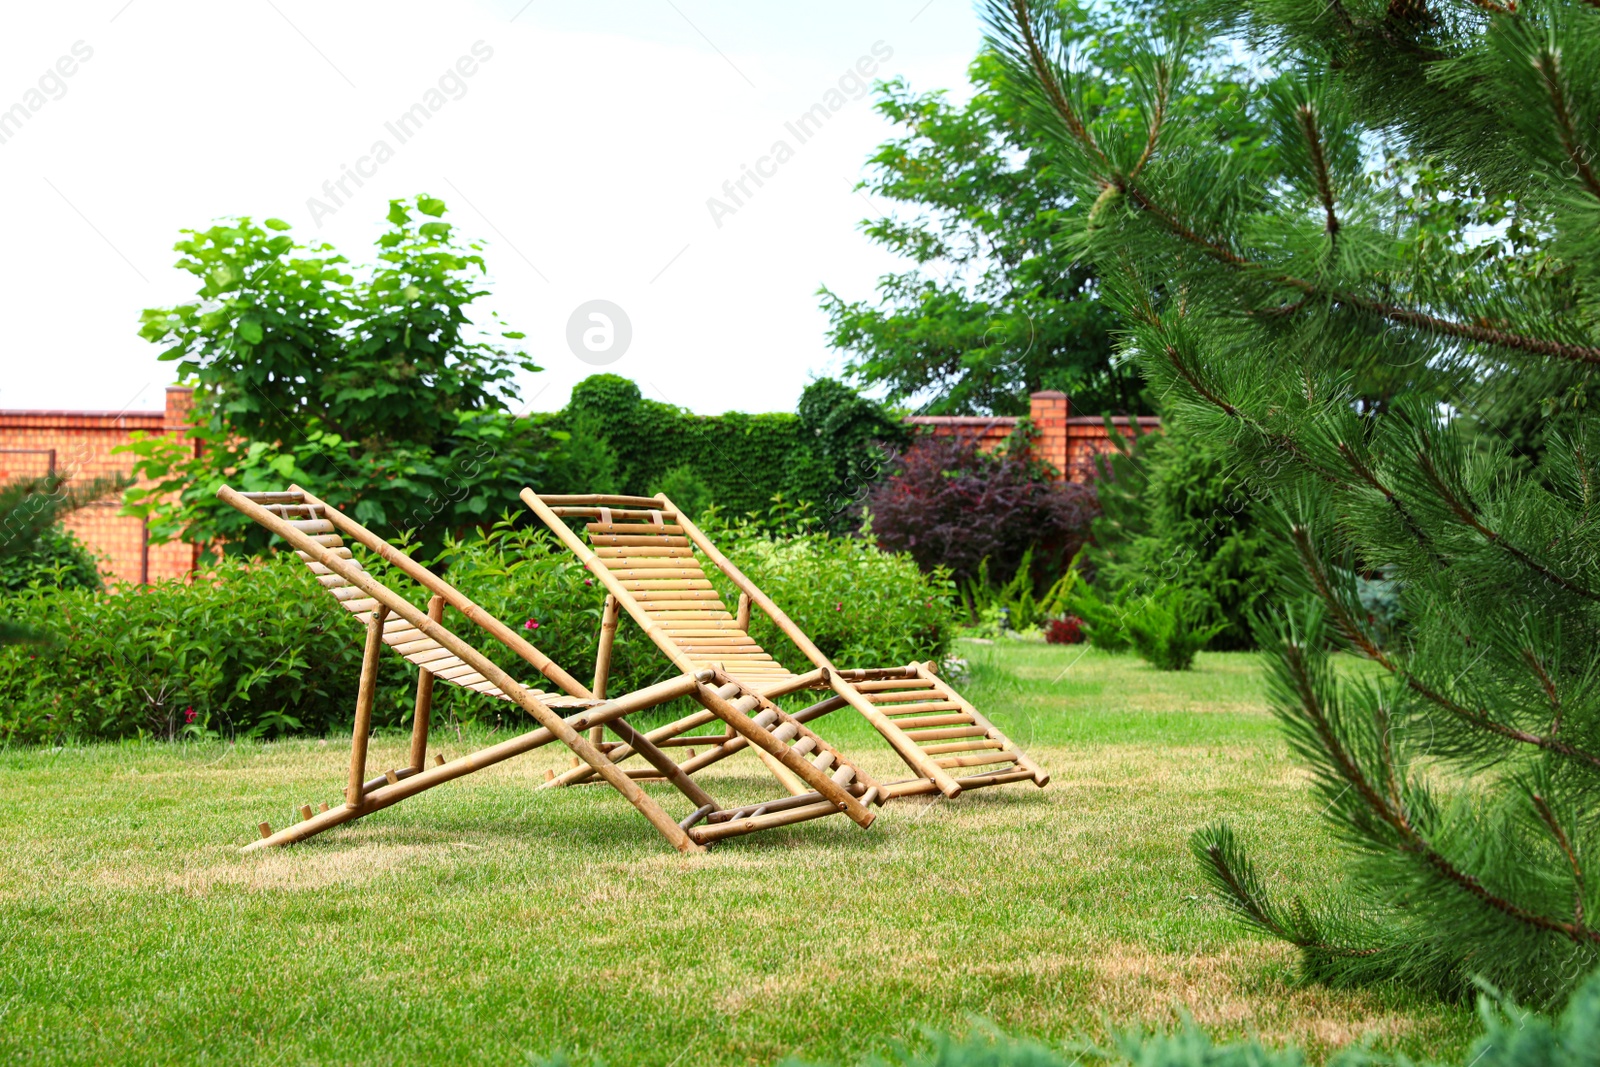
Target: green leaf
<point x="276" y="224"/>
<point x="397" y="213"/>
<point x="429" y="206"/>
<point x="250" y="330"/>
<point x="437" y="230"/>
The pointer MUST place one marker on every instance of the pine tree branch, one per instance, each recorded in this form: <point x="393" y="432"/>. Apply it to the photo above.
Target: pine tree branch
<point x="1367" y="475"/>
<point x="1283" y="441"/>
<point x="1549" y="67"/>
<point x="1468" y="331"/>
<point x="1322" y="584"/>
<point x="1549" y="685"/>
<point x="1307" y="114"/>
<point x="1391" y="312"/>
<point x="1411" y="840"/>
<point x="1232" y="873"/>
<point x="1337" y="7"/>
<point x="1311" y="706"/>
<point x="1356" y="634"/>
<point x="1052" y="88"/>
<point x="1550" y="820"/>
<point x="1157" y="118"/>
<point x="1466" y="515"/>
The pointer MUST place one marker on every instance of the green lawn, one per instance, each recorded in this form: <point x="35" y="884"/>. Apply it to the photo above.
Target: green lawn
<point x="486" y="922"/>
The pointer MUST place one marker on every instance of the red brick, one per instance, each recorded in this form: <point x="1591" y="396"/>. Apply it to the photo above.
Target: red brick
<point x="81" y="443"/>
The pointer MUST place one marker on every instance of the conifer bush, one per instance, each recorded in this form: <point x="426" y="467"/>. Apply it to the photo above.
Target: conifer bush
<point x="1298" y="307"/>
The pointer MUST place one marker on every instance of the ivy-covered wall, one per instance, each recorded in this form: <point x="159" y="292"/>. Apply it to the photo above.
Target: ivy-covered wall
<point x="824" y="455"/>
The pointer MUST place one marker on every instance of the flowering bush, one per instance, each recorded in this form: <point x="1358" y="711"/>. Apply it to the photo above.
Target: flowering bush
<point x="1065" y="631"/>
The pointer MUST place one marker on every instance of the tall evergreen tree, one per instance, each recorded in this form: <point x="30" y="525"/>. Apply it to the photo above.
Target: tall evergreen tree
<point x="1262" y="292"/>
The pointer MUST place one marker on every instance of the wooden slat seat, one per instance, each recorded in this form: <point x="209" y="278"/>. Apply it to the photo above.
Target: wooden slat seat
<point x="650" y="566"/>
<point x="634" y="551"/>
<point x="316" y="532"/>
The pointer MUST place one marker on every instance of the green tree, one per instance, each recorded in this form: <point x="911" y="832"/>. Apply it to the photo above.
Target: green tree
<point x="1262" y="293"/>
<point x="372" y="388"/>
<point x="999" y="301"/>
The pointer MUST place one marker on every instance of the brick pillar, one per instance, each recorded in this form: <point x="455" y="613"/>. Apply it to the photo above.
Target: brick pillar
<point x="174" y="559"/>
<point x="180" y="399"/>
<point x="1048" y="411"/>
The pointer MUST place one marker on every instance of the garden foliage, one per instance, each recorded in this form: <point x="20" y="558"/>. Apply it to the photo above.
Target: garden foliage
<point x="372" y="387"/>
<point x="1174" y="512"/>
<point x="257" y="648"/>
<point x="1167" y="627"/>
<point x="949" y="504"/>
<point x="1016" y="602"/>
<point x="35" y="552"/>
<point x="57" y="558"/>
<point x="1298" y="308"/>
<point x="825" y="455"/>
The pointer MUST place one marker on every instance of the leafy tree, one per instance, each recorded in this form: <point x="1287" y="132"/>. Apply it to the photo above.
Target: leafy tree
<point x="372" y="388"/>
<point x="999" y="302"/>
<point x="1261" y="292"/>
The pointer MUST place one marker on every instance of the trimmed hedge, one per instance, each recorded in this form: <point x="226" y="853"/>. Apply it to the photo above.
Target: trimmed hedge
<point x="824" y="456"/>
<point x="257" y="648"/>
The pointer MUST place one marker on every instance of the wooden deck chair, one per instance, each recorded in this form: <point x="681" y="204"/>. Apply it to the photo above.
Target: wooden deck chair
<point x="643" y="553"/>
<point x="313" y="529"/>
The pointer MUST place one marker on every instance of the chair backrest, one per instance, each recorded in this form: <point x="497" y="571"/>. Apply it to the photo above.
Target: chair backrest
<point x="322" y="523"/>
<point x="643" y="552"/>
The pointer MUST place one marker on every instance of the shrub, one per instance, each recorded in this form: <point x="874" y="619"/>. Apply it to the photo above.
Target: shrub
<point x="1067" y="631"/>
<point x="57" y="558"/>
<point x="1101" y="620"/>
<point x="685" y="489"/>
<point x="1167" y="628"/>
<point x="257" y="648"/>
<point x="862" y="606"/>
<point x="949" y="504"/>
<point x="250" y="648"/>
<point x="1173" y="511"/>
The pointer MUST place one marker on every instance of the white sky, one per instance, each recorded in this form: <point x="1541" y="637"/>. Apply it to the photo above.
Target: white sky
<point x="583" y="152"/>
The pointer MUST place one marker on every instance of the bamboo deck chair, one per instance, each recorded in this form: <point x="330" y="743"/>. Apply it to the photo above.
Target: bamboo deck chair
<point x="643" y="553"/>
<point x="313" y="529"/>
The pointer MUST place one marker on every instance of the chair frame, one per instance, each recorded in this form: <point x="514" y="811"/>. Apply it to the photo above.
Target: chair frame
<point x="907" y="705"/>
<point x="421" y="637"/>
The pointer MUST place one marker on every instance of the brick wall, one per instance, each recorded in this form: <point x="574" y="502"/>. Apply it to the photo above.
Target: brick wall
<point x="78" y="444"/>
<point x="1067" y="442"/>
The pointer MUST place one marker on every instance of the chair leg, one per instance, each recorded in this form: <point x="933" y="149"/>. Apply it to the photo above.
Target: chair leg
<point x="364" y="698"/>
<point x="609" y="617"/>
<point x="424" y="710"/>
